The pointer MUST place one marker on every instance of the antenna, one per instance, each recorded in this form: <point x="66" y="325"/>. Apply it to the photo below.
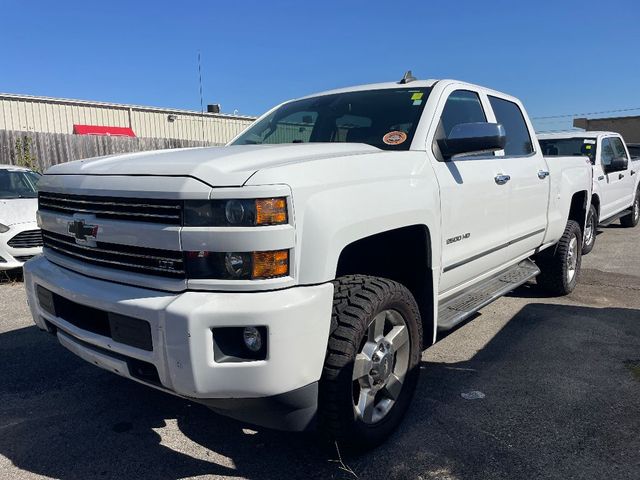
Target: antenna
<point x="201" y="97"/>
<point x="408" y="77"/>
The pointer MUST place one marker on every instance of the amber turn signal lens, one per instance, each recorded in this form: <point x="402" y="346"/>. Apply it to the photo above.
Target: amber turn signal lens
<point x="271" y="211"/>
<point x="270" y="264"/>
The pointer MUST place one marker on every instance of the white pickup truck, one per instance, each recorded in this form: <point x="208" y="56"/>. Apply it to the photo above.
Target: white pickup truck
<point x="615" y="192"/>
<point x="292" y="278"/>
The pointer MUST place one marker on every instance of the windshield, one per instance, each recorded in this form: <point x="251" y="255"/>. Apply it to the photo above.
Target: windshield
<point x="568" y="147"/>
<point x="18" y="184"/>
<point x="386" y="119"/>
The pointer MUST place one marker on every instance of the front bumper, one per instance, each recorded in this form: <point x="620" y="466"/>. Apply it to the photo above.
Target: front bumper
<point x="297" y="321"/>
<point x="11" y="257"/>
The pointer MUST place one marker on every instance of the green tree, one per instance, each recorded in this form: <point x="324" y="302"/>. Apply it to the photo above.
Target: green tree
<point x="22" y="155"/>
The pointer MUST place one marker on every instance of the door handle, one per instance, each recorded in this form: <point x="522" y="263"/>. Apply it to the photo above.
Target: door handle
<point x="601" y="177"/>
<point x="542" y="174"/>
<point x="502" y="179"/>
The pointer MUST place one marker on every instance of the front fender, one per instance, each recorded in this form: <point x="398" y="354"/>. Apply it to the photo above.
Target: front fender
<point x="335" y="218"/>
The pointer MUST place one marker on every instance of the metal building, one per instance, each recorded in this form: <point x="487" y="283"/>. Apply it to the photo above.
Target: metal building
<point x="27" y="113"/>
<point x="628" y="127"/>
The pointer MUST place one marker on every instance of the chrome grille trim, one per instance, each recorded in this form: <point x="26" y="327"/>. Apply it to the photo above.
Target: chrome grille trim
<point x="46" y="196"/>
<point x="145" y="210"/>
<point x="104" y="250"/>
<point x="105" y="254"/>
<point x="47" y="206"/>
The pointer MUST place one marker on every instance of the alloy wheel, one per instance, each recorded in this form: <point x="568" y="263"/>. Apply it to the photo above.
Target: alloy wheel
<point x="380" y="367"/>
<point x="572" y="259"/>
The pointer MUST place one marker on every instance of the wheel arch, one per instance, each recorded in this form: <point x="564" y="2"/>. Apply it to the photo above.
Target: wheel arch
<point x="595" y="201"/>
<point x="579" y="208"/>
<point x="402" y="254"/>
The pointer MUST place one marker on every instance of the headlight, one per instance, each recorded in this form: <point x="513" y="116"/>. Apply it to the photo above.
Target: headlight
<point x="3" y="228"/>
<point x="237" y="265"/>
<point x="235" y="212"/>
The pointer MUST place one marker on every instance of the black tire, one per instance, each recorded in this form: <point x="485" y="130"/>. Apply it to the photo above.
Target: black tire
<point x="590" y="236"/>
<point x="631" y="220"/>
<point x="357" y="300"/>
<point x="554" y="266"/>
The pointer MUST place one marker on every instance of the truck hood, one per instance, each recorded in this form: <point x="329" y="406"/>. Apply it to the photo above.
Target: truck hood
<point x="18" y="210"/>
<point x="216" y="166"/>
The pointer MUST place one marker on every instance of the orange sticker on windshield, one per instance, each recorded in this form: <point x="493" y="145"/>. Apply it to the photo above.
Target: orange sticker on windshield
<point x="394" y="138"/>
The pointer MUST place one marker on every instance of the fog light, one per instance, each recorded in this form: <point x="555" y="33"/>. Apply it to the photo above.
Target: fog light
<point x="252" y="338"/>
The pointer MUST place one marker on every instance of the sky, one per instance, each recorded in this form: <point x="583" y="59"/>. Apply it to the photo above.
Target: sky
<point x="559" y="58"/>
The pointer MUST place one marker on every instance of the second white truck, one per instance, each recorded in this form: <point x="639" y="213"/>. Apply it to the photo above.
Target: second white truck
<point x="292" y="278"/>
<point x="616" y="177"/>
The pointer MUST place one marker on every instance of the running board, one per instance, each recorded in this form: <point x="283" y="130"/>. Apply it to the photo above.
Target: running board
<point x="462" y="305"/>
<point x="615" y="217"/>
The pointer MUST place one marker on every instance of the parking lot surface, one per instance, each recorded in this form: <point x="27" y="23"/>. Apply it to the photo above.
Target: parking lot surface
<point x="560" y="399"/>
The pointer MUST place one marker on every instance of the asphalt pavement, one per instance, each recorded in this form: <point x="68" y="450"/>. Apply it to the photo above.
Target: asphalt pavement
<point x="532" y="387"/>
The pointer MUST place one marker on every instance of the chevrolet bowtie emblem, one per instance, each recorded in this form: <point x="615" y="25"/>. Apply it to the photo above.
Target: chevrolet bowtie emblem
<point x="82" y="231"/>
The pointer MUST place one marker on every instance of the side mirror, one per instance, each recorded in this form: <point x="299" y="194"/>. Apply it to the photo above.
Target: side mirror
<point x="480" y="137"/>
<point x="617" y="164"/>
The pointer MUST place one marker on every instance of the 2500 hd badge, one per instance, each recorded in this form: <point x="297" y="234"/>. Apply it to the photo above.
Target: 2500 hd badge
<point x="455" y="239"/>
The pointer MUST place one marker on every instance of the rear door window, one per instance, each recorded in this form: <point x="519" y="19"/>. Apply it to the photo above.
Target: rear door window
<point x="510" y="116"/>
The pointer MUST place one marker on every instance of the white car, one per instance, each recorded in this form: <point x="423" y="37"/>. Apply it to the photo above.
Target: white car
<point x="20" y="237"/>
<point x="616" y="176"/>
<point x="292" y="278"/>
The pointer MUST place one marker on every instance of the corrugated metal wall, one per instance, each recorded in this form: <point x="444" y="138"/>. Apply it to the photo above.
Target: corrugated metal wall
<point x="51" y="115"/>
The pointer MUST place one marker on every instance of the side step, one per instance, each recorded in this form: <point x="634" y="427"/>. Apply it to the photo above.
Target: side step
<point x="462" y="305"/>
<point x="615" y="217"/>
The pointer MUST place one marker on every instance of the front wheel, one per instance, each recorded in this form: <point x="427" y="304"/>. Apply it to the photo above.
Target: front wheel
<point x="560" y="265"/>
<point x="371" y="367"/>
<point x="590" y="230"/>
<point x="631" y="219"/>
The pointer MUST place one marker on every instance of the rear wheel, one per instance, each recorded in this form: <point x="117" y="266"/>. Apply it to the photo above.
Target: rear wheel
<point x="631" y="220"/>
<point x="590" y="230"/>
<point x="560" y="265"/>
<point x="371" y="368"/>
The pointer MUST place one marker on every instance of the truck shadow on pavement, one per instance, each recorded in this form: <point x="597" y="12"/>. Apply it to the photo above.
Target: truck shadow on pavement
<point x="559" y="402"/>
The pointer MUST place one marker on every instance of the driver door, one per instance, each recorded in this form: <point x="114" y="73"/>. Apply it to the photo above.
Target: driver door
<point x="474" y="205"/>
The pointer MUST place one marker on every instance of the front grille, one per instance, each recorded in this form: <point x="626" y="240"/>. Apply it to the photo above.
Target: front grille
<point x="167" y="212"/>
<point x="121" y="328"/>
<point x="168" y="263"/>
<point x="26" y="239"/>
<point x="23" y="258"/>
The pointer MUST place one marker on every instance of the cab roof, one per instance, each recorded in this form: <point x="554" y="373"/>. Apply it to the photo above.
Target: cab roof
<point x="409" y="85"/>
<point x="377" y="86"/>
